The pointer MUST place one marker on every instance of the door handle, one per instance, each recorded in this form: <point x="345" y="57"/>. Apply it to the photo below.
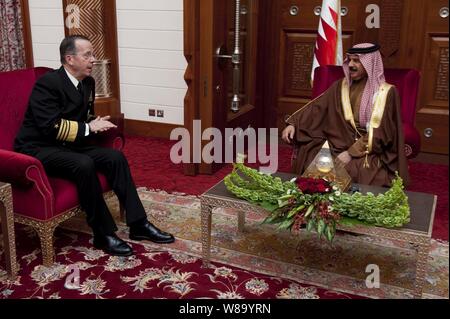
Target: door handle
<point x="235" y="59"/>
<point x="221" y="53"/>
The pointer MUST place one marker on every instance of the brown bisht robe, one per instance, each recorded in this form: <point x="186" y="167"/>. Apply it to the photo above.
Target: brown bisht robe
<point x="323" y="119"/>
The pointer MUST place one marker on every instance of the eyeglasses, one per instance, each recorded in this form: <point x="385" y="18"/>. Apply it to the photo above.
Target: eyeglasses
<point x="86" y="56"/>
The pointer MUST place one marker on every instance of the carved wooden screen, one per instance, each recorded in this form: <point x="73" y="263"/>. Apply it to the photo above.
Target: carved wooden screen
<point x="97" y="21"/>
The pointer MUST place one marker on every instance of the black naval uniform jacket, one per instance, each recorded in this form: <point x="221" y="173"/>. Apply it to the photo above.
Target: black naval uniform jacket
<point x="56" y="116"/>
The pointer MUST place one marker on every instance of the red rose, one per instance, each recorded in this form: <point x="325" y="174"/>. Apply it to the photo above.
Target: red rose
<point x="313" y="185"/>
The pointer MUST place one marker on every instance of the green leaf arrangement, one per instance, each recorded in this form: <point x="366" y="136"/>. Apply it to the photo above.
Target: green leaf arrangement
<point x="290" y="208"/>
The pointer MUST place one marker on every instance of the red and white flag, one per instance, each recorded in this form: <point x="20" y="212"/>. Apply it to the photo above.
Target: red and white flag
<point x="328" y="49"/>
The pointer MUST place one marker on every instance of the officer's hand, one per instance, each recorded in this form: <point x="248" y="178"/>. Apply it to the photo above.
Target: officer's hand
<point x="100" y="124"/>
<point x="288" y="134"/>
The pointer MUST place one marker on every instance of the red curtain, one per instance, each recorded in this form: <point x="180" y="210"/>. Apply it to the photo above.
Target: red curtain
<point x="12" y="51"/>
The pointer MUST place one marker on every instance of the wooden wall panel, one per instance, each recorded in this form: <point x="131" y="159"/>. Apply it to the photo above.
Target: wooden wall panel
<point x="191" y="11"/>
<point x="295" y="49"/>
<point x="436" y="73"/>
<point x="296" y="36"/>
<point x="391" y="30"/>
<point x="432" y="116"/>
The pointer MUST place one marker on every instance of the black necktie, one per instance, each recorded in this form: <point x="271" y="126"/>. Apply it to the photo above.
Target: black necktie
<point x="80" y="88"/>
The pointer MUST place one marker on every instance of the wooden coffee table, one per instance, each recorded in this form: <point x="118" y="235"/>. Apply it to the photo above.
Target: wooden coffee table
<point x="417" y="232"/>
<point x="7" y="221"/>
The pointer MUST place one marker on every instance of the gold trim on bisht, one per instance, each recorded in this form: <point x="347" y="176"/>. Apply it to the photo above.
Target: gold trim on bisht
<point x="346" y="105"/>
<point x="68" y="131"/>
<point x="378" y="110"/>
<point x="376" y="117"/>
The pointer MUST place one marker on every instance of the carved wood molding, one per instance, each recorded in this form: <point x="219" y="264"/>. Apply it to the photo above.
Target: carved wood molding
<point x="26" y="31"/>
<point x="299" y="57"/>
<point x="441" y="89"/>
<point x="391" y="24"/>
<point x="191" y="11"/>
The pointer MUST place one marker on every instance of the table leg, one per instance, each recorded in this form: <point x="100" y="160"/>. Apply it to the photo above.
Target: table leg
<point x="206" y="233"/>
<point x="9" y="239"/>
<point x="423" y="250"/>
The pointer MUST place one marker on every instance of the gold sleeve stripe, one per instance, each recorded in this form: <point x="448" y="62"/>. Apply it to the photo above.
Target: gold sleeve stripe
<point x="73" y="131"/>
<point x="62" y="127"/>
<point x="68" y="131"/>
<point x="58" y="136"/>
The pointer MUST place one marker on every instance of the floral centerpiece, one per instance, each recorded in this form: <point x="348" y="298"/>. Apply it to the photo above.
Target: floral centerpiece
<point x="317" y="203"/>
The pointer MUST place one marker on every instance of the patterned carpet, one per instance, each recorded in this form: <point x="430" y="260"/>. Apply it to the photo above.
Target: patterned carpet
<point x="288" y="266"/>
<point x="155" y="272"/>
<point x="340" y="266"/>
<point x="152" y="272"/>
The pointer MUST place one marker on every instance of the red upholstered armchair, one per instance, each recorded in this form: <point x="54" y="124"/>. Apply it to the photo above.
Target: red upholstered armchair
<point x="39" y="201"/>
<point x="407" y="83"/>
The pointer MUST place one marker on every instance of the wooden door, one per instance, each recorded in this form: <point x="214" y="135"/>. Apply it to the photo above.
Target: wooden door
<point x="211" y="75"/>
<point x="432" y="116"/>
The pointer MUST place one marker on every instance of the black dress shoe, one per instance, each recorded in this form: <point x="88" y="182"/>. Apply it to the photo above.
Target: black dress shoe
<point x="148" y="231"/>
<point x="112" y="245"/>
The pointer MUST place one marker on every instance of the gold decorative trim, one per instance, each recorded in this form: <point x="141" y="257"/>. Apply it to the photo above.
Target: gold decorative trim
<point x="45" y="229"/>
<point x="346" y="105"/>
<point x="9" y="238"/>
<point x="378" y="111"/>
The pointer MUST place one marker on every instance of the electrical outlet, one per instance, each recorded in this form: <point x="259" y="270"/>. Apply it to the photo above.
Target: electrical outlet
<point x="151" y="112"/>
<point x="160" y="113"/>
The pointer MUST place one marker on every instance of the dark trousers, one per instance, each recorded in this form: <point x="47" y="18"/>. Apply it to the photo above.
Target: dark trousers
<point x="80" y="166"/>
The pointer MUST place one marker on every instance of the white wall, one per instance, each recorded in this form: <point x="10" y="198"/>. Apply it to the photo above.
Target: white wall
<point x="47" y="31"/>
<point x="152" y="65"/>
